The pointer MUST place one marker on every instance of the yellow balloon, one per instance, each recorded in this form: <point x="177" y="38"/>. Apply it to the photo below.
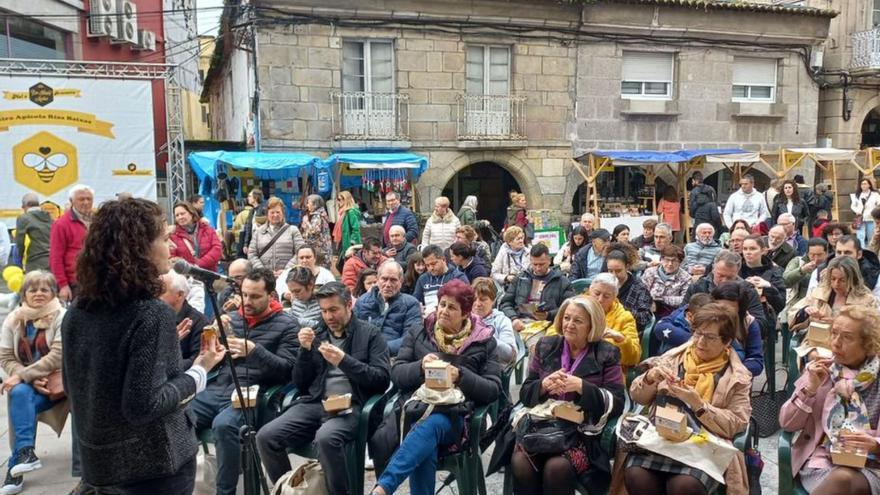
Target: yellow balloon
<point x="14" y="282"/>
<point x="11" y="271"/>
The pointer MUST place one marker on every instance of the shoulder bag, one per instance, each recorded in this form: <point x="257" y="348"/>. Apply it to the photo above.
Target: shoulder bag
<point x="272" y="241"/>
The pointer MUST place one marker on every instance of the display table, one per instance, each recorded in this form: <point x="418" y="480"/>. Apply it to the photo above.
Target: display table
<point x="634" y="223"/>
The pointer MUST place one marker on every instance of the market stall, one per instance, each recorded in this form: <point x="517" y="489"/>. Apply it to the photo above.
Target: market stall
<point x="636" y="208"/>
<point x="226" y="177"/>
<point x="370" y="175"/>
<point x="826" y="159"/>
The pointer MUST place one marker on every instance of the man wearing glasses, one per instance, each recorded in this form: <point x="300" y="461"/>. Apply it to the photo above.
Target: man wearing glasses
<point x="792" y="237"/>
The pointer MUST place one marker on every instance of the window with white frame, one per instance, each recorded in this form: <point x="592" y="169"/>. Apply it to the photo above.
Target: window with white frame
<point x="488" y="70"/>
<point x="647" y="75"/>
<point x="367" y="66"/>
<point x="754" y="79"/>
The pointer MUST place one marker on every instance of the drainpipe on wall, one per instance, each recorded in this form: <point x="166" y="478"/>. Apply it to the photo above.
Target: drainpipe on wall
<point x="256" y="104"/>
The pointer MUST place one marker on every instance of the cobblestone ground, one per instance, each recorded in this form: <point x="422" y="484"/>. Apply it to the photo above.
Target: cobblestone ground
<point x="54" y="478"/>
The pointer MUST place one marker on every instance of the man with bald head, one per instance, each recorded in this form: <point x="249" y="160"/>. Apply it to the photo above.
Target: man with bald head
<point x="229" y="299"/>
<point x="779" y="251"/>
<point x="392" y="311"/>
<point x="190" y="322"/>
<point x="399" y="249"/>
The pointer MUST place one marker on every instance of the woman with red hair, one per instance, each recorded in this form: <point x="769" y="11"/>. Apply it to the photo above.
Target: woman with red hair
<point x="452" y="334"/>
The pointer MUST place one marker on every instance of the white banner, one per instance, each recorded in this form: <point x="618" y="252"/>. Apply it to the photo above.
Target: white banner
<point x="56" y="132"/>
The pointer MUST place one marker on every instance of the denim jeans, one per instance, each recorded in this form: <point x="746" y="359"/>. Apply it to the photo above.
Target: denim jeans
<point x="25" y="403"/>
<point x="417" y="456"/>
<point x="864" y="233"/>
<point x="214" y="410"/>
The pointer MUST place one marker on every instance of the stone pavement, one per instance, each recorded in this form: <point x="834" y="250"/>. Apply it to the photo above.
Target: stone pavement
<point x="54" y="478"/>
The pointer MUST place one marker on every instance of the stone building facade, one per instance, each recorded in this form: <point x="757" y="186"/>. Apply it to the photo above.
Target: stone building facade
<point x="502" y="95"/>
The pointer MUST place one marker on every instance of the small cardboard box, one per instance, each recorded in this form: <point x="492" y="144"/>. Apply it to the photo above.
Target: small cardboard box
<point x="336" y="403"/>
<point x="569" y="412"/>
<point x="848" y="458"/>
<point x="438" y="375"/>
<point x="819" y="335"/>
<point x="671" y="424"/>
<point x="250" y="393"/>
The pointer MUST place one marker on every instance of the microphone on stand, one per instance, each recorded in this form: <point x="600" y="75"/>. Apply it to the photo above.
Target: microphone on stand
<point x="206" y="276"/>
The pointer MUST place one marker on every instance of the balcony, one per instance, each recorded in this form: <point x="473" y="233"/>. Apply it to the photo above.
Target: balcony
<point x="490" y="120"/>
<point x="379" y="118"/>
<point x="866" y="50"/>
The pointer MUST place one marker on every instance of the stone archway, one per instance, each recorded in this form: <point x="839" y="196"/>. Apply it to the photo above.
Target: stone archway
<point x="443" y="168"/>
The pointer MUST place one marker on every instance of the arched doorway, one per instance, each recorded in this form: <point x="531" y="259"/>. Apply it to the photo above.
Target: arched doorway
<point x="490" y="183"/>
<point x="871" y="129"/>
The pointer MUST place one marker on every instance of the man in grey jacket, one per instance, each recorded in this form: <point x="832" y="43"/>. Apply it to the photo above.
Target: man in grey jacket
<point x="699" y="254"/>
<point x="35" y="225"/>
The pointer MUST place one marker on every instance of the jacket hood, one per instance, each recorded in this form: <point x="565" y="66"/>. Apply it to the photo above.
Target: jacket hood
<point x="447" y="218"/>
<point x="766" y="264"/>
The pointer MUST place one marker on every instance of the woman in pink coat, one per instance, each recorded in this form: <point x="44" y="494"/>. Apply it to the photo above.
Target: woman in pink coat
<point x="836" y="405"/>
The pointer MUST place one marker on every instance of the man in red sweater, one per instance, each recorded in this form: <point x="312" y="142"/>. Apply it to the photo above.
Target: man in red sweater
<point x="66" y="239"/>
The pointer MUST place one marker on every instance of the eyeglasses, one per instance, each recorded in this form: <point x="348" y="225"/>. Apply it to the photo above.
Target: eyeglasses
<point x="708" y="337"/>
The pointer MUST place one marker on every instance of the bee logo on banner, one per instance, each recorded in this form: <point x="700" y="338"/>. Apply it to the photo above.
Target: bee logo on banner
<point x="56" y="132"/>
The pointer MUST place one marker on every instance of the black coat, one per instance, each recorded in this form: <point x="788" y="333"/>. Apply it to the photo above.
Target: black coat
<point x="476" y="269"/>
<point x="271" y="362"/>
<point x="366" y="363"/>
<point x="191" y="345"/>
<point x="705" y="285"/>
<point x="782" y="255"/>
<point x="128" y="392"/>
<point x="556" y="289"/>
<point x="703" y="206"/>
<point x="798" y="209"/>
<point x="775" y="294"/>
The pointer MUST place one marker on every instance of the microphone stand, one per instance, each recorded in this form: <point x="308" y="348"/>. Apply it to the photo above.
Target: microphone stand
<point x="252" y="467"/>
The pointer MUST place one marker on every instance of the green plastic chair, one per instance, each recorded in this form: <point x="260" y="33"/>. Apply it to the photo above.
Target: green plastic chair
<point x="787" y="483"/>
<point x="521" y="359"/>
<point x="466" y="465"/>
<point x="355" y="452"/>
<point x="634" y="372"/>
<point x="580" y="285"/>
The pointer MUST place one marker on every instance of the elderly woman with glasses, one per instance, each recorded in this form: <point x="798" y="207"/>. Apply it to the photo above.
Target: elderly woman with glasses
<point x="30" y="352"/>
<point x="575" y="365"/>
<point x="836" y="405"/>
<point x="710" y="384"/>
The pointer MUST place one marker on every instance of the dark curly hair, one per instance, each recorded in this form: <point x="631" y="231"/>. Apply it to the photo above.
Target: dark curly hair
<point x="622" y="251"/>
<point x="115" y="266"/>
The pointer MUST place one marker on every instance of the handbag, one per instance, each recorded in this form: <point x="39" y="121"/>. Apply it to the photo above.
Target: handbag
<point x="55" y="385"/>
<point x="549" y="436"/>
<point x="433" y="399"/>
<point x="857" y="222"/>
<point x="307" y="479"/>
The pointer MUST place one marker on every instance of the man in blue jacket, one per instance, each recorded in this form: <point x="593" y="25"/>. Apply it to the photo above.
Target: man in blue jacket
<point x="384" y="306"/>
<point x="398" y="215"/>
<point x="437" y="273"/>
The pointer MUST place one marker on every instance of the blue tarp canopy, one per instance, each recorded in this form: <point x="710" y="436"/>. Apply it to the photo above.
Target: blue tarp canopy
<point x="678" y="156"/>
<point x="266" y="166"/>
<point x="382" y="160"/>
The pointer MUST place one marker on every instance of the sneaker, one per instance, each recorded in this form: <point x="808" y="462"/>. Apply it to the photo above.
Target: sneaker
<point x="12" y="484"/>
<point x="25" y="462"/>
<point x="368" y="463"/>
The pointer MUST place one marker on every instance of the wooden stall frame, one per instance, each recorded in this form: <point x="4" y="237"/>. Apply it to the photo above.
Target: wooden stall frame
<point x="784" y="168"/>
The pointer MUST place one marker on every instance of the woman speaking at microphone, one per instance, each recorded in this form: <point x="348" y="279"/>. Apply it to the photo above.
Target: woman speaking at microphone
<point x="122" y="368"/>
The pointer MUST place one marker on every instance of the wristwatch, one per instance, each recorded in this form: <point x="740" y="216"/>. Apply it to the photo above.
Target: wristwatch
<point x="699" y="412"/>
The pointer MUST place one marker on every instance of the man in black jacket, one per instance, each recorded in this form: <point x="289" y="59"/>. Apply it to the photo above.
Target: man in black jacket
<point x="725" y="268"/>
<point x="190" y="322"/>
<point x="263" y="348"/>
<point x="539" y="285"/>
<point x="703" y="204"/>
<point x="343" y="355"/>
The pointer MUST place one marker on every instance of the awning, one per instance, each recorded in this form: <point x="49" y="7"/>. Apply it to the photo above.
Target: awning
<point x="382" y="160"/>
<point x="266" y="166"/>
<point x="825" y="154"/>
<point x="630" y="158"/>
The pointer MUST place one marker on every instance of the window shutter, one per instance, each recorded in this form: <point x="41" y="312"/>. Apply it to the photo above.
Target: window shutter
<point x="749" y="71"/>
<point x="647" y="67"/>
<point x="474" y="71"/>
<point x="381" y="67"/>
<point x="352" y="66"/>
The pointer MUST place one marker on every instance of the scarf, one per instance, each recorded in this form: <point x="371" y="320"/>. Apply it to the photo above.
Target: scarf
<point x="252" y="321"/>
<point x="337" y="227"/>
<point x="849" y="411"/>
<point x="42" y="317"/>
<point x="450" y="344"/>
<point x="663" y="276"/>
<point x="32" y="324"/>
<point x="700" y="374"/>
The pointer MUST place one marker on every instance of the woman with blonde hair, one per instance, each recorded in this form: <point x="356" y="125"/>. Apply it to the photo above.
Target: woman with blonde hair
<point x="512" y="258"/>
<point x="578" y="365"/>
<point x="347" y="230"/>
<point x="517" y="214"/>
<point x="30" y="352"/>
<point x="316" y="228"/>
<point x="835" y="405"/>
